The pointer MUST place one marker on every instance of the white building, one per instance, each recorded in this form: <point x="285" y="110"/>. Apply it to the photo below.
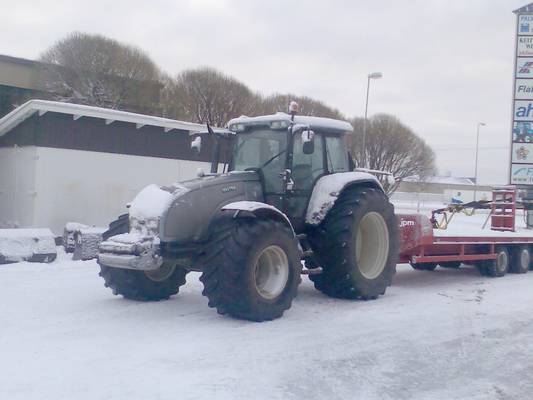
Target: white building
<point x="64" y="162"/>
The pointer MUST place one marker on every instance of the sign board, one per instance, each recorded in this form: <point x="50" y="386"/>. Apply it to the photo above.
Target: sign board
<point x="524" y="67"/>
<point x="522" y="153"/>
<point x="521" y="171"/>
<point x="525" y="24"/>
<point x="522" y="174"/>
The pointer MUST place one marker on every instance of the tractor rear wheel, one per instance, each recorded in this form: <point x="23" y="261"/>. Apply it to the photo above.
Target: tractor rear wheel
<point x="251" y="269"/>
<point x="356" y="245"/>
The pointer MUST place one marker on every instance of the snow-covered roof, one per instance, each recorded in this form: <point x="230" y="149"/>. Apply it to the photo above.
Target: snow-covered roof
<point x="312" y="122"/>
<point x="77" y="111"/>
<point x="443" y="180"/>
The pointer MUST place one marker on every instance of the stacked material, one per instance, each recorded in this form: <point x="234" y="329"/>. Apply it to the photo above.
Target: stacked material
<point x="87" y="242"/>
<point x="70" y="233"/>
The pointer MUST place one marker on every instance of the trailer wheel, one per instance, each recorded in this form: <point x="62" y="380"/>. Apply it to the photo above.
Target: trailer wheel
<point x="356" y="245"/>
<point x="520" y="259"/>
<point x="450" y="264"/>
<point x="498" y="267"/>
<point x="424" y="266"/>
<point x="251" y="269"/>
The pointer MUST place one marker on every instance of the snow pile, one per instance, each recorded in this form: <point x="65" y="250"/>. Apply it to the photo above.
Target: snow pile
<point x="326" y="191"/>
<point x="9" y="224"/>
<point x="26" y="244"/>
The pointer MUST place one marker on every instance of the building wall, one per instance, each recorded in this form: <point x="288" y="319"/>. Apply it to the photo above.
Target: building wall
<point x="17" y="185"/>
<point x="94" y="188"/>
<point x="21" y="73"/>
<point x="448" y="190"/>
<point x="85" y="170"/>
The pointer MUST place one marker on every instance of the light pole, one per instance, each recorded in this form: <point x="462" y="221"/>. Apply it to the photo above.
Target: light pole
<point x="373" y="75"/>
<point x="479" y="125"/>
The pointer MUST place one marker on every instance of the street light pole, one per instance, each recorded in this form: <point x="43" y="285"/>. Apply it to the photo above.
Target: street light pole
<point x="374" y="75"/>
<point x="479" y="124"/>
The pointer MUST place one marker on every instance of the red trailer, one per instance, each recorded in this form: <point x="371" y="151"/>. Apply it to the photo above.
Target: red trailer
<point x="494" y="253"/>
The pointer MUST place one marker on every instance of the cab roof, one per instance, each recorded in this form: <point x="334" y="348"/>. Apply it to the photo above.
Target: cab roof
<point x="318" y="123"/>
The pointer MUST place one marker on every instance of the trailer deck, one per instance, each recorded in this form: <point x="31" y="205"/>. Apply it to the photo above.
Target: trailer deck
<point x="464" y="242"/>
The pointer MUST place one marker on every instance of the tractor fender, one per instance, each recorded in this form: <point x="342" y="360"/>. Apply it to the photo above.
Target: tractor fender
<point x="257" y="209"/>
<point x="328" y="188"/>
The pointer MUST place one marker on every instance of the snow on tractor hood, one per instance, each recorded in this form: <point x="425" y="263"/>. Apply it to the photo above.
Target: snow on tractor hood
<point x="153" y="200"/>
<point x="328" y="189"/>
<point x="149" y="205"/>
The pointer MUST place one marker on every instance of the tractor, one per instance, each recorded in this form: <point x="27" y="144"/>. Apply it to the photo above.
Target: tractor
<point x="287" y="201"/>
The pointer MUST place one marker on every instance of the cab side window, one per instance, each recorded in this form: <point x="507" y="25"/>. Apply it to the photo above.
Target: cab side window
<point x="306" y="168"/>
<point x="337" y="154"/>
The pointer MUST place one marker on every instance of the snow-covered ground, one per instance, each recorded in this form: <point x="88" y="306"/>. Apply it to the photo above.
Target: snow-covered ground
<point x="450" y="334"/>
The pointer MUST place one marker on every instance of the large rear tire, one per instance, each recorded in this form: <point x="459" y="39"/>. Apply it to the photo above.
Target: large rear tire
<point x="356" y="245"/>
<point x="251" y="269"/>
<point x="154" y="285"/>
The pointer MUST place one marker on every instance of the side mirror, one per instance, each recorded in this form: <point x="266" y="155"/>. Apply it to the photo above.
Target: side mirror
<point x="196" y="145"/>
<point x="308" y="142"/>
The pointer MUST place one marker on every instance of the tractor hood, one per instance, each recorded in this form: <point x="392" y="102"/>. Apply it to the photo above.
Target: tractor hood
<point x="193" y="204"/>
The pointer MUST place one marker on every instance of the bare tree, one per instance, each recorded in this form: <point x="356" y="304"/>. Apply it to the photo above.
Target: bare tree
<point x="391" y="146"/>
<point x="207" y="95"/>
<point x="95" y="70"/>
<point x="308" y="106"/>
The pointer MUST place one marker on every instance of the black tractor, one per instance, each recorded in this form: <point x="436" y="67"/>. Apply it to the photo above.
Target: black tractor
<point x="288" y="202"/>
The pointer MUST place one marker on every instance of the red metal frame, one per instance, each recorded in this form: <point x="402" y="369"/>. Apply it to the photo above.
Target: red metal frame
<point x="503" y="212"/>
<point x="419" y="245"/>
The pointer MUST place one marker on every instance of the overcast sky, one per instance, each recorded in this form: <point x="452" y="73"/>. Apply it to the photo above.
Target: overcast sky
<point x="447" y="64"/>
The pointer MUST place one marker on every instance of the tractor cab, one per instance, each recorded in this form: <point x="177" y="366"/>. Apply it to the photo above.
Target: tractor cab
<point x="290" y="153"/>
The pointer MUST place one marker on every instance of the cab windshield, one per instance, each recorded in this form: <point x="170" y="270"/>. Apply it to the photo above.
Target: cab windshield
<point x="264" y="149"/>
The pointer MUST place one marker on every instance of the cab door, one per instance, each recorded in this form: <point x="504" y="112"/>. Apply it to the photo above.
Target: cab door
<point x="306" y="169"/>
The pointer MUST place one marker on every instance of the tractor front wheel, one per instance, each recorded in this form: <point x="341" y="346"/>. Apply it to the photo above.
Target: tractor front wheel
<point x="252" y="269"/>
<point x="154" y="285"/>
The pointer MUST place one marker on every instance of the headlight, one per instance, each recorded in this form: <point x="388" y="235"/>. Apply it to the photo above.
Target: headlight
<point x="146" y="227"/>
